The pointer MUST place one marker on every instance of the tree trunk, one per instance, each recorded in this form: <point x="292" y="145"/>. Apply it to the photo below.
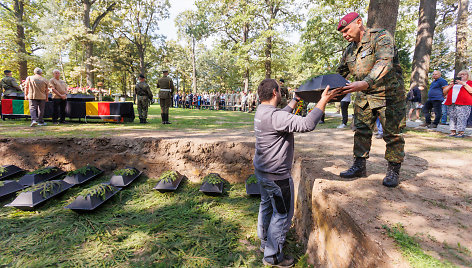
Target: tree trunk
<point x="88" y="44"/>
<point x="268" y="56"/>
<point x="246" y="71"/>
<point x="89" y="63"/>
<point x="142" y="64"/>
<point x="424" y="44"/>
<point x="18" y="7"/>
<point x="383" y="14"/>
<point x="461" y="37"/>
<point x="194" y="65"/>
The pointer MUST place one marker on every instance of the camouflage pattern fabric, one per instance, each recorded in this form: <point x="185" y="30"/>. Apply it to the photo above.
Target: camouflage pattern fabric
<point x="10" y="85"/>
<point x="143" y="104"/>
<point x="375" y="61"/>
<point x="392" y="118"/>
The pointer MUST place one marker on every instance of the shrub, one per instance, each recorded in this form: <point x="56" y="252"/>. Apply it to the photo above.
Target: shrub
<point x="43" y="170"/>
<point x="252" y="179"/>
<point x="212" y="179"/>
<point x="45" y="187"/>
<point x="168" y="176"/>
<point x="125" y="172"/>
<point x="99" y="190"/>
<point x="83" y="170"/>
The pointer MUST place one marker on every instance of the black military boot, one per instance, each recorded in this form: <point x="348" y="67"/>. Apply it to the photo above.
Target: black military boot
<point x="393" y="172"/>
<point x="167" y="119"/>
<point x="163" y="117"/>
<point x="141" y="121"/>
<point x="357" y="169"/>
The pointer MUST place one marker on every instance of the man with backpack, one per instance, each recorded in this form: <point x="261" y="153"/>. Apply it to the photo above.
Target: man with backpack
<point x="414" y="98"/>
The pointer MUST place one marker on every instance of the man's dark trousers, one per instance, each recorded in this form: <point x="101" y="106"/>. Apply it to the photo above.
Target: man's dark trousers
<point x="436" y="106"/>
<point x="59" y="107"/>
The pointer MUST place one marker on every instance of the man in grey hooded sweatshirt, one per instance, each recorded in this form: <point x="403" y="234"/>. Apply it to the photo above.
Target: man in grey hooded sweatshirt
<point x="273" y="159"/>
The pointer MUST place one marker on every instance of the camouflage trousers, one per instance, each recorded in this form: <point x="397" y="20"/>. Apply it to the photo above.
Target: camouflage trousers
<point x="283" y="103"/>
<point x="143" y="104"/>
<point x="165" y="105"/>
<point x="392" y="118"/>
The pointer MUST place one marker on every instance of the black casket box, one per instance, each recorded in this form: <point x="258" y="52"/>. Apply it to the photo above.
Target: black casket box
<point x="124" y="180"/>
<point x="91" y="202"/>
<point x="10" y="171"/>
<point x="253" y="185"/>
<point x="311" y="90"/>
<point x="30" y="199"/>
<point x="80" y="178"/>
<point x="9" y="187"/>
<point x="32" y="179"/>
<point x="164" y="186"/>
<point x="212" y="188"/>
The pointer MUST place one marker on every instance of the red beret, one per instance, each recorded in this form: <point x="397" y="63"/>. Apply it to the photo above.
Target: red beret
<point x="346" y="20"/>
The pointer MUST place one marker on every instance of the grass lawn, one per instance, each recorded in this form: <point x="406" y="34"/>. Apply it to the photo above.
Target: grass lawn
<point x="139" y="227"/>
<point x="182" y="120"/>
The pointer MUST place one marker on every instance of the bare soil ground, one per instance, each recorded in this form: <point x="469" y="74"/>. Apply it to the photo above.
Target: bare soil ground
<point x="433" y="201"/>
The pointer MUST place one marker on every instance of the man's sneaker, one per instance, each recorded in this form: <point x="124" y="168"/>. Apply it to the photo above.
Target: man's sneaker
<point x="342" y="126"/>
<point x="432" y="126"/>
<point x="418" y="121"/>
<point x="42" y="124"/>
<point x="288" y="261"/>
<point x="33" y="124"/>
<point x="379" y="136"/>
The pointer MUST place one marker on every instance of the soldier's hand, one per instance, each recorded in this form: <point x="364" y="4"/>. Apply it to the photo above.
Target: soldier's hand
<point x="355" y="86"/>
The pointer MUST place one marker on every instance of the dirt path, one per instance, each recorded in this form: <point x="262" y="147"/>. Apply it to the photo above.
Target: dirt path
<point x="434" y="200"/>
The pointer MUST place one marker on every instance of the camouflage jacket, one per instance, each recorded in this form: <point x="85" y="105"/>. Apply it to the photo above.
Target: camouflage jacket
<point x="9" y="83"/>
<point x="142" y="89"/>
<point x="375" y="61"/>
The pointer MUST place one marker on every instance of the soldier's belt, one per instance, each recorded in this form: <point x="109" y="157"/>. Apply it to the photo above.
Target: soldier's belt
<point x="165" y="89"/>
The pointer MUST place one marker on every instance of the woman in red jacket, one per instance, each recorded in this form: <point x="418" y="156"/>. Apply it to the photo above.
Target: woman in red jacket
<point x="459" y="100"/>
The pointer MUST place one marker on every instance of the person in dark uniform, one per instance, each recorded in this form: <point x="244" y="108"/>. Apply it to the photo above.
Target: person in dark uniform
<point x="8" y="84"/>
<point x="372" y="62"/>
<point x="144" y="96"/>
<point x="284" y="93"/>
<point x="166" y="92"/>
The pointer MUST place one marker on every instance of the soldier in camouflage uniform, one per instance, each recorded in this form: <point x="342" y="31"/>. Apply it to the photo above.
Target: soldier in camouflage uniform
<point x="165" y="95"/>
<point x="8" y="84"/>
<point x="284" y="94"/>
<point x="144" y="96"/>
<point x="372" y="61"/>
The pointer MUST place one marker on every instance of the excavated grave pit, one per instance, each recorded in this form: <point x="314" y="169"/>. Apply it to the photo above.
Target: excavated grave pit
<point x="330" y="235"/>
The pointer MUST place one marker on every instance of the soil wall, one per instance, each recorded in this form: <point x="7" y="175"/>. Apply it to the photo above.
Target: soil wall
<point x="194" y="158"/>
<point x="331" y="236"/>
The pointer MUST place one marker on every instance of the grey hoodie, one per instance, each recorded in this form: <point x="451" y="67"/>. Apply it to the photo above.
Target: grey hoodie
<point x="274" y="129"/>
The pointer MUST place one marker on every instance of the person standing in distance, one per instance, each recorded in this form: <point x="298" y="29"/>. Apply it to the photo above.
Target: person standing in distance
<point x="434" y="102"/>
<point x="166" y="92"/>
<point x="372" y="62"/>
<point x="59" y="96"/>
<point x="144" y="96"/>
<point x="273" y="160"/>
<point x="36" y="91"/>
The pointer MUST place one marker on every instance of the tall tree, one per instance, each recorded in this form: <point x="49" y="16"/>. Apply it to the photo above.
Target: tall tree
<point x="271" y="15"/>
<point x="424" y="43"/>
<point x="193" y="25"/>
<point x="140" y="24"/>
<point x="18" y="12"/>
<point x="461" y="37"/>
<point x="383" y="14"/>
<point x="90" y="30"/>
